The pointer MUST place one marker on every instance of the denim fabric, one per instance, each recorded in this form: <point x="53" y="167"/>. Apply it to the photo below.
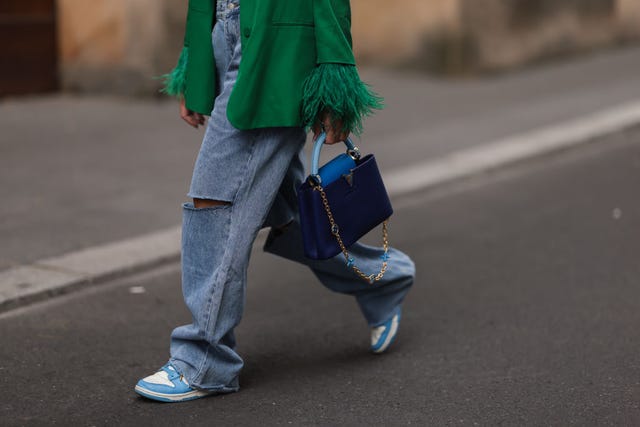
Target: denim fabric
<point x="223" y="6"/>
<point x="257" y="171"/>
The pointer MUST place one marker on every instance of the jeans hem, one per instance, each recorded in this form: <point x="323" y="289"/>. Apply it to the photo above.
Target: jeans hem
<point x="193" y="384"/>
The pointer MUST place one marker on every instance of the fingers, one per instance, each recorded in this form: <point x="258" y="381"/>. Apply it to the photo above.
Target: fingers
<point x="190" y="120"/>
<point x="331" y="138"/>
<point x="317" y="130"/>
<point x="334" y="131"/>
<point x="191" y="117"/>
<point x="335" y="136"/>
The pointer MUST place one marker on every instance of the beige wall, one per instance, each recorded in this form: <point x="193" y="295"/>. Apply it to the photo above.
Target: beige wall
<point x="386" y="31"/>
<point x="504" y="36"/>
<point x="453" y="36"/>
<point x="628" y="12"/>
<point x="118" y="45"/>
<point x="92" y="32"/>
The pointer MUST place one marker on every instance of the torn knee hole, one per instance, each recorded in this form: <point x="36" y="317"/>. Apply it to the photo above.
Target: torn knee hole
<point x="208" y="203"/>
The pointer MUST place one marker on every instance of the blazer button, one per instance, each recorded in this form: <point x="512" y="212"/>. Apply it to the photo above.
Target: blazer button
<point x="247" y="32"/>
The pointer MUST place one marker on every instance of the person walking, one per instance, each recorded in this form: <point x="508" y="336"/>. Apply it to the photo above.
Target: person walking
<point x="277" y="68"/>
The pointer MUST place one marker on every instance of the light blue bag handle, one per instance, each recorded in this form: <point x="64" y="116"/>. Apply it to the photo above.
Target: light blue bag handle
<point x="352" y="151"/>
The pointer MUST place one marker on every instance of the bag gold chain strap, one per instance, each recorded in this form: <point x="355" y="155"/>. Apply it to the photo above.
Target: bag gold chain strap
<point x="335" y="230"/>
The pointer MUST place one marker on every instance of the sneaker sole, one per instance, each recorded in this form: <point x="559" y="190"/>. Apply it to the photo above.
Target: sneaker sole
<point x="171" y="398"/>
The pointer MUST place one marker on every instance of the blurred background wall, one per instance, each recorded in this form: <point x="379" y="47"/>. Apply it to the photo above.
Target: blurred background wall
<point x="118" y="46"/>
<point x="462" y="36"/>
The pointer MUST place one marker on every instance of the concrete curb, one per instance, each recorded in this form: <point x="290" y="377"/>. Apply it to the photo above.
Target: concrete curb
<point x="57" y="275"/>
<point x="26" y="284"/>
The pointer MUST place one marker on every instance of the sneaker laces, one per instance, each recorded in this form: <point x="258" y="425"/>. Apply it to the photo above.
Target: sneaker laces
<point x="172" y="373"/>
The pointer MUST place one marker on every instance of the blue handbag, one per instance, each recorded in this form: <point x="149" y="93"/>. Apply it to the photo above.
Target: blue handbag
<point x="341" y="202"/>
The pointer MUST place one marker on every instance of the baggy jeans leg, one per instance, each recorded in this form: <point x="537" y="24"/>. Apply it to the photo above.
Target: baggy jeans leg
<point x="215" y="254"/>
<point x="213" y="301"/>
<point x="379" y="301"/>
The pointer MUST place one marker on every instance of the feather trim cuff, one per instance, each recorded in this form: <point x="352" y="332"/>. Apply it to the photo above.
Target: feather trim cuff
<point x="175" y="81"/>
<point x="337" y="88"/>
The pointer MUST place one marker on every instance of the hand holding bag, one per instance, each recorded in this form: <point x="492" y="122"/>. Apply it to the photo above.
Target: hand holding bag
<point x="341" y="202"/>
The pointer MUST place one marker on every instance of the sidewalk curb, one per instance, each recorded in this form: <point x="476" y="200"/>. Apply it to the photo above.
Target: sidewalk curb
<point x="48" y="277"/>
<point x="22" y="285"/>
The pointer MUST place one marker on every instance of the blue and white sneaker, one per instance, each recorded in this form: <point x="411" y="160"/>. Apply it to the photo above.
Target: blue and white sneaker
<point x="167" y="385"/>
<point x="383" y="336"/>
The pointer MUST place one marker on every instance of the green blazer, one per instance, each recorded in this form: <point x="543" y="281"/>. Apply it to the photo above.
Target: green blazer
<point x="282" y="43"/>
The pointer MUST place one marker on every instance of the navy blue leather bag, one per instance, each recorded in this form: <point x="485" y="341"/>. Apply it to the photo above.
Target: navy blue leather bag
<point x="341" y="202"/>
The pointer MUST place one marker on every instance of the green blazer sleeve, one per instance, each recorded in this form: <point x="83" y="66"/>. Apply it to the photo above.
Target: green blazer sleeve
<point x="332" y="20"/>
<point x="200" y="74"/>
<point x="334" y="86"/>
<point x="194" y="77"/>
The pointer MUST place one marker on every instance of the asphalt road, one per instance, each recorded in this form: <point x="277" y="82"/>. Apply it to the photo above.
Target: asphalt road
<point x="525" y="312"/>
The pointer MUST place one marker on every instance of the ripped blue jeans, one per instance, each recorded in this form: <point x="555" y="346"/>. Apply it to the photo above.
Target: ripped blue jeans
<point x="257" y="172"/>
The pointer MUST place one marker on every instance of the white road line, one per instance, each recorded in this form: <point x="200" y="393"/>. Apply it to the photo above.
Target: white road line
<point x="511" y="149"/>
<point x="27" y="283"/>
